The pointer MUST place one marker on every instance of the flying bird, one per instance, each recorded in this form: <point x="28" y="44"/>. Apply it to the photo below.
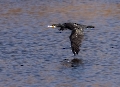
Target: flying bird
<point x="76" y="34"/>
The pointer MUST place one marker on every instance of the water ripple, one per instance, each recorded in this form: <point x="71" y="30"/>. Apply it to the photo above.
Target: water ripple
<point x="32" y="55"/>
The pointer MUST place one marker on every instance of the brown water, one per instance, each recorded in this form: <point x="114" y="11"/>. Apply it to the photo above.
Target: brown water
<point x="32" y="55"/>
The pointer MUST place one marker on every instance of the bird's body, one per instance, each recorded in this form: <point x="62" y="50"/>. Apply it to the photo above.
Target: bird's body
<point x="76" y="34"/>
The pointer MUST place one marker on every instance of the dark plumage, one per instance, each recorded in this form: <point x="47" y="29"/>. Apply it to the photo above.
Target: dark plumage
<point x="76" y="34"/>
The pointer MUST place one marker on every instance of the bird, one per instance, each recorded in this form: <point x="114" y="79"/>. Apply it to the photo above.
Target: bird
<point x="76" y="34"/>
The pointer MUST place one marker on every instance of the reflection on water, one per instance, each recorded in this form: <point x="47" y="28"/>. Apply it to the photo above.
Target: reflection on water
<point x="75" y="62"/>
<point x="31" y="53"/>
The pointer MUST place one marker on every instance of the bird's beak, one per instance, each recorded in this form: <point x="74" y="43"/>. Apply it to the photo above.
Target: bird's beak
<point x="52" y="26"/>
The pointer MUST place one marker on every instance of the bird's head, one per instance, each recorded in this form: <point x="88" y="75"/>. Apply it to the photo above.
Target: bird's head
<point x="54" y="25"/>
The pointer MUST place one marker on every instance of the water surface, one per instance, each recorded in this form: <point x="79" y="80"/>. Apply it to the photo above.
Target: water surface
<point x="31" y="54"/>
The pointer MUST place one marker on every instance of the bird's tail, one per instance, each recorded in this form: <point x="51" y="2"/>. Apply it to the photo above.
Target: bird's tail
<point x="90" y="26"/>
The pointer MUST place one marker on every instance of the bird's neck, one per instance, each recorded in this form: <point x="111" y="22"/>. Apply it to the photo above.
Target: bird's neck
<point x="59" y="25"/>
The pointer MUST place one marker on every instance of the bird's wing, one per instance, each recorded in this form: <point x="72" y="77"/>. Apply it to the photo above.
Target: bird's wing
<point x="76" y="39"/>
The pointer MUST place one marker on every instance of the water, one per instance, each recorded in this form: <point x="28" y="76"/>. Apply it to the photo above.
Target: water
<point x="32" y="55"/>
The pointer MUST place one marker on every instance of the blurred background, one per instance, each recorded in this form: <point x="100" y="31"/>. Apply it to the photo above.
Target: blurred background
<point x="31" y="55"/>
